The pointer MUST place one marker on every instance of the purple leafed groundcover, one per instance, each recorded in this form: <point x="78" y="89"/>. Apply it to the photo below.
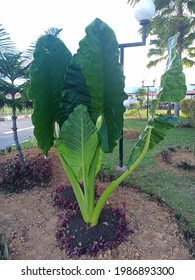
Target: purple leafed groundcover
<point x="79" y="238"/>
<point x="14" y="178"/>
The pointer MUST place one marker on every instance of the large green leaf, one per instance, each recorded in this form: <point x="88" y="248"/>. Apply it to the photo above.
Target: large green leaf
<point x="173" y="88"/>
<point x="47" y="72"/>
<point x="78" y="141"/>
<point x="95" y="79"/>
<point x="160" y="126"/>
<point x="172" y="85"/>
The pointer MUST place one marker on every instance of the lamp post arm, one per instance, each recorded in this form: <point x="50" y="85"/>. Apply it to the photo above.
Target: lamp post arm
<point x="129" y="45"/>
<point x="144" y="24"/>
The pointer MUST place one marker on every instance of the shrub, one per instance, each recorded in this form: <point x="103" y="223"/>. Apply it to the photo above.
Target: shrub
<point x="186" y="165"/>
<point x="188" y="108"/>
<point x="5" y="151"/>
<point x="15" y="178"/>
<point x="3" y="246"/>
<point x="184" y="106"/>
<point x="184" y="125"/>
<point x="165" y="156"/>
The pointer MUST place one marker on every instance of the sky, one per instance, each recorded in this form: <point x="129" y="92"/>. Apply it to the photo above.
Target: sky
<point x="27" y="20"/>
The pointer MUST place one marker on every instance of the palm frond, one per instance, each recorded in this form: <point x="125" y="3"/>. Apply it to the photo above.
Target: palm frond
<point x="132" y="2"/>
<point x="156" y="52"/>
<point x="153" y="63"/>
<point x="50" y="31"/>
<point x="188" y="63"/>
<point x="191" y="6"/>
<point x="12" y="65"/>
<point x="6" y="44"/>
<point x="53" y="31"/>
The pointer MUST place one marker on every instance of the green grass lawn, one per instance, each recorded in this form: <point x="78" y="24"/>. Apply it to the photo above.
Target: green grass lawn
<point x="142" y="113"/>
<point x="175" y="189"/>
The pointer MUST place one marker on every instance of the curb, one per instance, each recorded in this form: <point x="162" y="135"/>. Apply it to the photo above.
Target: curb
<point x="8" y="118"/>
<point x="2" y="119"/>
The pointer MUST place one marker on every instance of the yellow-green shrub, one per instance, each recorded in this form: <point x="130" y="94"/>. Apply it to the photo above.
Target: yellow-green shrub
<point x="188" y="108"/>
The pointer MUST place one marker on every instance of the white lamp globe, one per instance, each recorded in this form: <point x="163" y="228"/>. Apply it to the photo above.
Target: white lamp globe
<point x="144" y="10"/>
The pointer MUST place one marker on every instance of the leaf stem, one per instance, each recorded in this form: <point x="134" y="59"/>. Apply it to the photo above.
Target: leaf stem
<point x="76" y="188"/>
<point x="114" y="184"/>
<point x="91" y="181"/>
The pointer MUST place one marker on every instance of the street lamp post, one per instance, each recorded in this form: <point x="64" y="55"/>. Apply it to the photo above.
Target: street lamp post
<point x="144" y="11"/>
<point x="148" y="90"/>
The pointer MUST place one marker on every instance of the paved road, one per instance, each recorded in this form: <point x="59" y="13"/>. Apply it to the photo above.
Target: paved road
<point x="25" y="128"/>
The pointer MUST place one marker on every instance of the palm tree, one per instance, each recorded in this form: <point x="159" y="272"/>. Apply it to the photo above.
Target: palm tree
<point x="12" y="68"/>
<point x="8" y="75"/>
<point x="172" y="17"/>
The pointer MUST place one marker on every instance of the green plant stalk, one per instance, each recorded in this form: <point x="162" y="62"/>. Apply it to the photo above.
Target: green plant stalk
<point x="90" y="197"/>
<point x="92" y="175"/>
<point x="76" y="188"/>
<point x="85" y="200"/>
<point x="88" y="182"/>
<point x="86" y="189"/>
<point x="114" y="184"/>
<point x="85" y="181"/>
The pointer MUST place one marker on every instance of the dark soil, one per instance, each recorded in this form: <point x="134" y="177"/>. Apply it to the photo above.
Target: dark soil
<point x="81" y="238"/>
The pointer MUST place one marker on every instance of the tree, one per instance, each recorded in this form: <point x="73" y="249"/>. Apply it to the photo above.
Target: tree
<point x="12" y="68"/>
<point x="141" y="94"/>
<point x="172" y="17"/>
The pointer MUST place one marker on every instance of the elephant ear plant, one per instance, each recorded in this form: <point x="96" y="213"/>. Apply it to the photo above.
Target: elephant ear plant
<point x="84" y="95"/>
